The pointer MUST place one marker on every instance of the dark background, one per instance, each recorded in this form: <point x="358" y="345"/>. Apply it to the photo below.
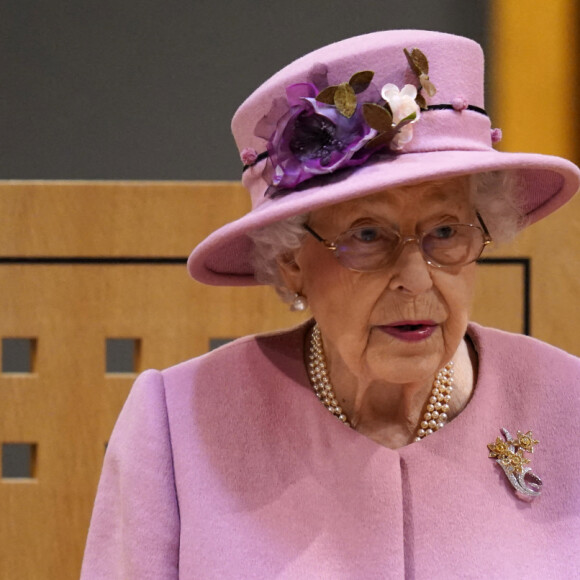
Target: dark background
<point x="120" y="89"/>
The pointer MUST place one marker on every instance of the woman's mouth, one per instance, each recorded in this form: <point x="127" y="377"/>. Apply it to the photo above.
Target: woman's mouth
<point x="410" y="330"/>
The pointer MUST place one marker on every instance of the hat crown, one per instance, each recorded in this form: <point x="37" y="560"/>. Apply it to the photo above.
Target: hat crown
<point x="456" y="66"/>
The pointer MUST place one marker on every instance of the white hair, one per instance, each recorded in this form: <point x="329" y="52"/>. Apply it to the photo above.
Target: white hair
<point x="270" y="243"/>
<point x="494" y="195"/>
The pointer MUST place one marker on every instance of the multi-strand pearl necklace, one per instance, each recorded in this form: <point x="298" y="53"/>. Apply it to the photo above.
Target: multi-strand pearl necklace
<point x="437" y="409"/>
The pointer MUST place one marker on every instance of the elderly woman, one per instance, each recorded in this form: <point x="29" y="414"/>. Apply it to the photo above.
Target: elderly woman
<point x="387" y="437"/>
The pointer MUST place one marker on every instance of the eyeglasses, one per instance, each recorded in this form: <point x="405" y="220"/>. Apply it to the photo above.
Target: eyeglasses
<point x="371" y="248"/>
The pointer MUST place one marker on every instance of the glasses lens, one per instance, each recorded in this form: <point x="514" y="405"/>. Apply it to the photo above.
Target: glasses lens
<point x="367" y="248"/>
<point x="453" y="244"/>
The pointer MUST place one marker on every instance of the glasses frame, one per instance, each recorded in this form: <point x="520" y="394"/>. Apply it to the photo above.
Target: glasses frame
<point x="332" y="246"/>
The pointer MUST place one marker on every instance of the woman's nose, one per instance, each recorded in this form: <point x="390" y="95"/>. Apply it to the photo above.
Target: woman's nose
<point x="410" y="271"/>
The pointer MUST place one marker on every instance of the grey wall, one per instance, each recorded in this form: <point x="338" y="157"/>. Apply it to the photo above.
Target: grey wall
<point x="127" y="89"/>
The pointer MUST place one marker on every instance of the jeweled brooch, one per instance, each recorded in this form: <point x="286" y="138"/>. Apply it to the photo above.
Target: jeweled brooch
<point x="509" y="455"/>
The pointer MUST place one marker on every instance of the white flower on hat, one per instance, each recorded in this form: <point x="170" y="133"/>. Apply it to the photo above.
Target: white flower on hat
<point x="403" y="106"/>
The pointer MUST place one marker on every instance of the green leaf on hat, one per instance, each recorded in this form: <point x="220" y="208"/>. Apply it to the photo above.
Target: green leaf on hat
<point x="420" y="66"/>
<point x="407" y="119"/>
<point x="382" y="139"/>
<point x="326" y="96"/>
<point x="345" y="100"/>
<point x="420" y="100"/>
<point x="427" y="85"/>
<point x="360" y="81"/>
<point x="377" y="117"/>
<point x="403" y="122"/>
<point x="417" y="61"/>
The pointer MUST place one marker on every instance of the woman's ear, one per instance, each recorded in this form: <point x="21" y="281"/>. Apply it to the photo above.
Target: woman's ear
<point x="290" y="270"/>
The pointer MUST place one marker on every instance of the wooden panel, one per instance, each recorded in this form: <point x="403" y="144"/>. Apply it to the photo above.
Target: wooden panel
<point x="500" y="299"/>
<point x="554" y="253"/>
<point x="534" y="51"/>
<point x="103" y="219"/>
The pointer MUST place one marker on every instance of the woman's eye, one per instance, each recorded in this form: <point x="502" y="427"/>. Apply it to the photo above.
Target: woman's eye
<point x="367" y="234"/>
<point x="443" y="232"/>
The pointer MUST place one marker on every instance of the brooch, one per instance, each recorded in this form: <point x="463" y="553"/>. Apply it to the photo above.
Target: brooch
<point x="509" y="455"/>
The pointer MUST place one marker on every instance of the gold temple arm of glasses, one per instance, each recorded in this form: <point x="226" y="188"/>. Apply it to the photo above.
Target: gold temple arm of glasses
<point x="328" y="244"/>
<point x="488" y="238"/>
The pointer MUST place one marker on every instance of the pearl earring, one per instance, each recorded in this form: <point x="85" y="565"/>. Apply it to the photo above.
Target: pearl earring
<point x="299" y="303"/>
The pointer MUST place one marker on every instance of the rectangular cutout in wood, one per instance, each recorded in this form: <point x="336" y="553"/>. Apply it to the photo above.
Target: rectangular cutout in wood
<point x="19" y="460"/>
<point x="18" y="355"/>
<point x="217" y="342"/>
<point x="122" y="355"/>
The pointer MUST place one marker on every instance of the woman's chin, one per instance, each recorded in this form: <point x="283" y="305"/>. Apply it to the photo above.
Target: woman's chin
<point x="403" y="361"/>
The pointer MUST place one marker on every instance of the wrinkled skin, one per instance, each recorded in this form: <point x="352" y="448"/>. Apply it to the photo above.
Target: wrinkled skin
<point x="383" y="382"/>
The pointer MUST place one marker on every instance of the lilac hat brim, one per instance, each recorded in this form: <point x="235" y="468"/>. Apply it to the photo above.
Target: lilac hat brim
<point x="224" y="257"/>
<point x="451" y="137"/>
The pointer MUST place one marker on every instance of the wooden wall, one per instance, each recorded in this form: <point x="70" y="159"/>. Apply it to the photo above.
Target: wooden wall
<point x="534" y="51"/>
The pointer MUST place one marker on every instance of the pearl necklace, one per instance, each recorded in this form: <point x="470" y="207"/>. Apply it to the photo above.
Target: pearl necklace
<point x="436" y="411"/>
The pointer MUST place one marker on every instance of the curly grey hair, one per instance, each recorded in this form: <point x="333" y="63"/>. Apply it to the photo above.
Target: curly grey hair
<point x="493" y="194"/>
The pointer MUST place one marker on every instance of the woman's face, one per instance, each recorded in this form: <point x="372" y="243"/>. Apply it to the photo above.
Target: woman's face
<point x="402" y="323"/>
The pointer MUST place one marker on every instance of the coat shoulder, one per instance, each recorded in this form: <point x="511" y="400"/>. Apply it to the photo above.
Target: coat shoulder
<point x="520" y="349"/>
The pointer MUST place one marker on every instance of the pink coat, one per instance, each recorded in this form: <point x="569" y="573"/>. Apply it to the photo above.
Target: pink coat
<point x="227" y="466"/>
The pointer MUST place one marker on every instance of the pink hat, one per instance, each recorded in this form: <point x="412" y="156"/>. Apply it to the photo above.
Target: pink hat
<point x="359" y="116"/>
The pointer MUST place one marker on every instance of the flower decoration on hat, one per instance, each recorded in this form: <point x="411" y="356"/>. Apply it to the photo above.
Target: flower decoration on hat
<point x="393" y="121"/>
<point x="248" y="155"/>
<point x="496" y="135"/>
<point x="420" y="66"/>
<point x="315" y="138"/>
<point x="319" y="131"/>
<point x="343" y="96"/>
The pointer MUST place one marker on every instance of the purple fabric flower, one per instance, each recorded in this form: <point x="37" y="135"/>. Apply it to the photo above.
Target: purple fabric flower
<point x="312" y="139"/>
